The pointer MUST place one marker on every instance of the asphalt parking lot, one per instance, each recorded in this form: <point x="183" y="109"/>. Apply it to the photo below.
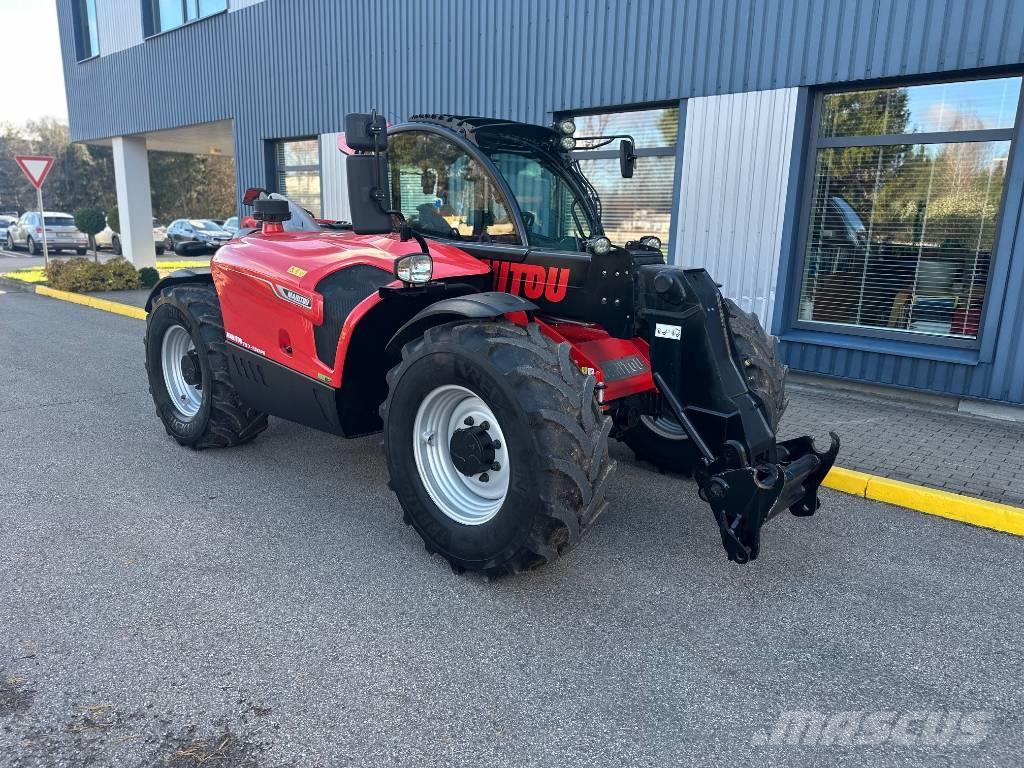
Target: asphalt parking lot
<point x="265" y="606"/>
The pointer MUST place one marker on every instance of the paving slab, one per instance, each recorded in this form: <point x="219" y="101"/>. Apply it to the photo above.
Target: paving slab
<point x="928" y="445"/>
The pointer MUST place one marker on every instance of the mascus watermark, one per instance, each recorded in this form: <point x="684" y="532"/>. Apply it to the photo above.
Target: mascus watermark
<point x="913" y="728"/>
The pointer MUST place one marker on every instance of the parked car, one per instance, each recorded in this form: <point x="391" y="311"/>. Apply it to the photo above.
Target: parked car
<point x="5" y="222"/>
<point x="108" y="238"/>
<point x="231" y="225"/>
<point x="194" y="236"/>
<point x="61" y="233"/>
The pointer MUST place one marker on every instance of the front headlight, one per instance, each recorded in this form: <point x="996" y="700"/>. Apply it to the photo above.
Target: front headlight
<point x="599" y="245"/>
<point x="414" y="269"/>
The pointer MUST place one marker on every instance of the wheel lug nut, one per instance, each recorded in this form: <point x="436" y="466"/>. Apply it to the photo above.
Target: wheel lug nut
<point x="496" y="444"/>
<point x="484" y="477"/>
<point x="469" y="421"/>
<point x="495" y="466"/>
<point x="485" y="425"/>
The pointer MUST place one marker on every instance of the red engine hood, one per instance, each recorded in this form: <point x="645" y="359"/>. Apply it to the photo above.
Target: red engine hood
<point x="303" y="259"/>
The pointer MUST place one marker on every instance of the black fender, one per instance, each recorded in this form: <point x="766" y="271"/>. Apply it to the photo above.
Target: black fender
<point x="475" y="306"/>
<point x="201" y="276"/>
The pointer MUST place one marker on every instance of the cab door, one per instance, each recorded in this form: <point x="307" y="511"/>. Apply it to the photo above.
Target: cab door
<point x="447" y="191"/>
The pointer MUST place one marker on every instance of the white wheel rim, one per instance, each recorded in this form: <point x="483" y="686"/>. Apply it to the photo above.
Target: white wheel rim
<point x="176" y="344"/>
<point x="469" y="500"/>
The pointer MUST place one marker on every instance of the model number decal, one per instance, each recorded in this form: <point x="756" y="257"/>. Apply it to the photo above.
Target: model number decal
<point x="663" y="331"/>
<point x="242" y="343"/>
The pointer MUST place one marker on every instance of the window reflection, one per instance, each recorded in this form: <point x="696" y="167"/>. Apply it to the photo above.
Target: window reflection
<point x="901" y="234"/>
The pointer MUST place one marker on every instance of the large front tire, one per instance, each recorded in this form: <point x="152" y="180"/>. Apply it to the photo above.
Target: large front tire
<point x="187" y="366"/>
<point x="662" y="442"/>
<point x="552" y="457"/>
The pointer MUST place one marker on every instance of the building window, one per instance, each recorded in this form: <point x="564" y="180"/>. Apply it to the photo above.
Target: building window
<point x="642" y="205"/>
<point x="87" y="41"/>
<point x="298" y="173"/>
<point x="168" y="14"/>
<point x="904" y="206"/>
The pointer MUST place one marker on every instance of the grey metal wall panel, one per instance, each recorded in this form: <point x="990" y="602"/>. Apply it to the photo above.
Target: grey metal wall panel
<point x="333" y="179"/>
<point x="526" y="58"/>
<point x="734" y="183"/>
<point x="119" y="25"/>
<point x="294" y="68"/>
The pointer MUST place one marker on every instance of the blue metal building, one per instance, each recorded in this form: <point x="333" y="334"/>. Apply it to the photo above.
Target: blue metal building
<point x="847" y="169"/>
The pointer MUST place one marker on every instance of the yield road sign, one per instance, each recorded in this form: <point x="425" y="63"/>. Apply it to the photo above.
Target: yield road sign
<point x="35" y="167"/>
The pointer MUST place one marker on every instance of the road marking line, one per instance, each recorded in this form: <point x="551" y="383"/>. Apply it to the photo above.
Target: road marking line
<point x="952" y="506"/>
<point x="91" y="301"/>
<point x="931" y="501"/>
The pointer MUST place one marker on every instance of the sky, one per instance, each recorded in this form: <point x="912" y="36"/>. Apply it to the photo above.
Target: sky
<point x="30" y="61"/>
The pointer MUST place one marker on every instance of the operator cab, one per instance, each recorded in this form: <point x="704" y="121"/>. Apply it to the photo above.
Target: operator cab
<point x="492" y="182"/>
<point x="513" y="195"/>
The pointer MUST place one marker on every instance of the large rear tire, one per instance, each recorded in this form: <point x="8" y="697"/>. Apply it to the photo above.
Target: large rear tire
<point x="550" y="464"/>
<point x="187" y="366"/>
<point x="662" y="441"/>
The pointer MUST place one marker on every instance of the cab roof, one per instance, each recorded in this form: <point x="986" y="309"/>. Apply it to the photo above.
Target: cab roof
<point x="476" y="128"/>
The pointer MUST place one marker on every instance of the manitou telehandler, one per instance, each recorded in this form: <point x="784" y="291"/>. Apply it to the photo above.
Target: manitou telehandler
<point x="476" y="313"/>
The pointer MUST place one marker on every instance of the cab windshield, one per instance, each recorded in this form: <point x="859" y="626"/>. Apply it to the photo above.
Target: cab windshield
<point x="554" y="210"/>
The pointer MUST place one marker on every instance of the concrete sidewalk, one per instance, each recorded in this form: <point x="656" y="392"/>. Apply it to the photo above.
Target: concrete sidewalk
<point x="918" y="443"/>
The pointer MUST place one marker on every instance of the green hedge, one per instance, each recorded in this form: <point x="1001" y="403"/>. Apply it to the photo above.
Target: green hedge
<point x="149" y="277"/>
<point x="82" y="275"/>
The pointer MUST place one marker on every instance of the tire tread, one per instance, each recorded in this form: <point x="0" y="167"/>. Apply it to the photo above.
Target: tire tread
<point x="571" y="432"/>
<point x="231" y="422"/>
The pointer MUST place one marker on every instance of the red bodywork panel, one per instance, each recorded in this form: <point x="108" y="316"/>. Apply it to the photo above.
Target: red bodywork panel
<point x="267" y="282"/>
<point x="254" y="273"/>
<point x="622" y="367"/>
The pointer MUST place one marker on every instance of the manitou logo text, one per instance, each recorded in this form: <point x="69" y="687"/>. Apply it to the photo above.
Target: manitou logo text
<point x="530" y="280"/>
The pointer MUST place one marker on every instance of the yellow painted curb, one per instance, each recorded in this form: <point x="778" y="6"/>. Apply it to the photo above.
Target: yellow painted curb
<point x="953" y="506"/>
<point x="91" y="301"/>
<point x="847" y="481"/>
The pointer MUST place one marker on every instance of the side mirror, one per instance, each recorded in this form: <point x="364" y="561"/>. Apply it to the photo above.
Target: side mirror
<point x="367" y="194"/>
<point x="367" y="172"/>
<point x="366" y="133"/>
<point x="627" y="158"/>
